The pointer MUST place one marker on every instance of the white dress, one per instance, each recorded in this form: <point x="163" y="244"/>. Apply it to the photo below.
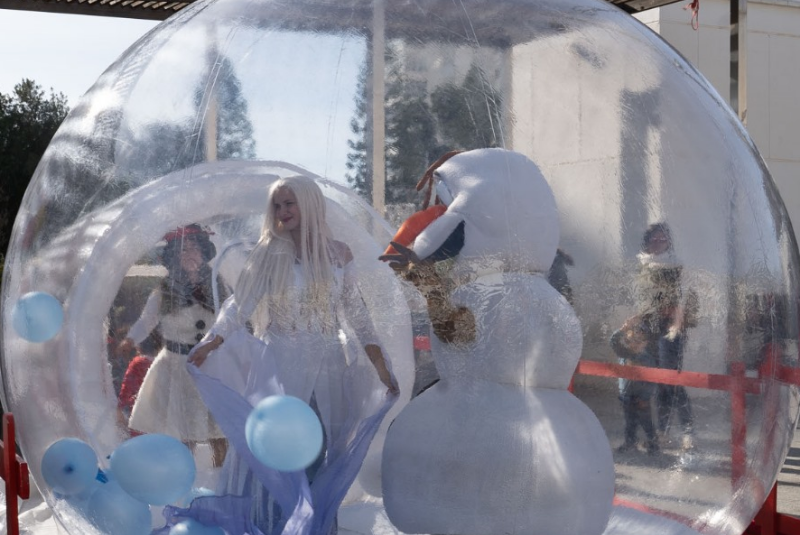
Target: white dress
<point x="309" y="358"/>
<point x="324" y="366"/>
<point x="168" y="401"/>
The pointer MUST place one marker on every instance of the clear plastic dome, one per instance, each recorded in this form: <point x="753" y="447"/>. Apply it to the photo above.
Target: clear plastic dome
<point x="195" y="120"/>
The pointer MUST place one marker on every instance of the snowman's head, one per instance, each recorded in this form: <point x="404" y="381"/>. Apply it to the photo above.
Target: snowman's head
<point x="501" y="204"/>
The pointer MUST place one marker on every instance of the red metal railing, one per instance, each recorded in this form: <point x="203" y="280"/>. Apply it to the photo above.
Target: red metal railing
<point x="14" y="472"/>
<point x="768" y="521"/>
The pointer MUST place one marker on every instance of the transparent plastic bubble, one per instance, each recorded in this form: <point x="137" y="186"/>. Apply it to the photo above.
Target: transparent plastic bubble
<point x="198" y="118"/>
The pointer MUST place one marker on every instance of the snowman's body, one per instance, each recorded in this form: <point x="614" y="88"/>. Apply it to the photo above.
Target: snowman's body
<point x="499" y="445"/>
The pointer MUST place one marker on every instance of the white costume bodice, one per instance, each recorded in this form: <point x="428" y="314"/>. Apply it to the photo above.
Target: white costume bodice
<point x="187" y="325"/>
<point x="298" y="317"/>
<point x="312" y="351"/>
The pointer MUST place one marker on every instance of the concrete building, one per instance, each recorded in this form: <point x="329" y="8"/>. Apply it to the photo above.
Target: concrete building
<point x="772" y="38"/>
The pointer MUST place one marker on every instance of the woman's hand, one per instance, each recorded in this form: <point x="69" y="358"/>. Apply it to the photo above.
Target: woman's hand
<point x="376" y="357"/>
<point x="199" y="353"/>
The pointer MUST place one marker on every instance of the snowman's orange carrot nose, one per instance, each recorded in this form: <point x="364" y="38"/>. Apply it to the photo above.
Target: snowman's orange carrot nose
<point x="414" y="225"/>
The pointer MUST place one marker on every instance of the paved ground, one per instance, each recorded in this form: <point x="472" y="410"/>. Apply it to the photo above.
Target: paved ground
<point x="684" y="485"/>
<point x="694" y="484"/>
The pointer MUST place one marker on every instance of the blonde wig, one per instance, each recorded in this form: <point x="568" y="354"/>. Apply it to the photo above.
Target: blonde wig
<point x="269" y="270"/>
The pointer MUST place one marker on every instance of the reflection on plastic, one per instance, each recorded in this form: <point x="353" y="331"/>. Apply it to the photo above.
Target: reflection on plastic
<point x="197" y="118"/>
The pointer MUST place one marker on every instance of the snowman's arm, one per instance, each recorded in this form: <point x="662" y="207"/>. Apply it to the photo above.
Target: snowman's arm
<point x="451" y="324"/>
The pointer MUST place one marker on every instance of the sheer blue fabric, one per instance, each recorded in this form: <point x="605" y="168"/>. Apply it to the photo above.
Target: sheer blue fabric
<point x="231" y="513"/>
<point x="312" y="506"/>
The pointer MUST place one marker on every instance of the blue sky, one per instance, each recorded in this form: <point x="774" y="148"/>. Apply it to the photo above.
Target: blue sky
<point x="65" y="52"/>
<point x="69" y="52"/>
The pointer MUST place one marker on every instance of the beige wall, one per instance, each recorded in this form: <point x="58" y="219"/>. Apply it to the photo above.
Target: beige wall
<point x="773" y="78"/>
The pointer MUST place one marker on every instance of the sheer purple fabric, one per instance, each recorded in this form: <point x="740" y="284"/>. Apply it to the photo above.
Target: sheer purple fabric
<point x="312" y="506"/>
<point x="231" y="513"/>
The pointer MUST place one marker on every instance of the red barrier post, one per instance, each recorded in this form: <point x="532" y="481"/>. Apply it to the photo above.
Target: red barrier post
<point x="766" y="520"/>
<point x="738" y="423"/>
<point x="15" y="474"/>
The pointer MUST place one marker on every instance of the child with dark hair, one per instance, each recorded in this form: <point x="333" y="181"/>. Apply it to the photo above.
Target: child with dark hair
<point x="182" y="311"/>
<point x="634" y="344"/>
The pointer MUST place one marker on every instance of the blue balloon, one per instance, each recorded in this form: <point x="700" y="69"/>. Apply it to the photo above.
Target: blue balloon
<point x="37" y="316"/>
<point x="113" y="511"/>
<point x="155" y="469"/>
<point x="193" y="527"/>
<point x="69" y="466"/>
<point x="284" y="433"/>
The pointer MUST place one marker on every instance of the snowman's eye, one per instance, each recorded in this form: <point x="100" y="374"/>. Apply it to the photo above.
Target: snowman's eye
<point x="442" y="191"/>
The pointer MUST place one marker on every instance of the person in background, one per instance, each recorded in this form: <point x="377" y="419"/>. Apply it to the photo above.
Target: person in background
<point x="670" y="314"/>
<point x="181" y="310"/>
<point x="633" y="344"/>
<point x="557" y="275"/>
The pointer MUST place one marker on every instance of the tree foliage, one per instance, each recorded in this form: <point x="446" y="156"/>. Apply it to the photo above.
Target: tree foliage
<point x="420" y="126"/>
<point x="411" y="141"/>
<point x="161" y="147"/>
<point x="468" y="114"/>
<point x="28" y="119"/>
<point x="359" y="159"/>
<point x="234" y="129"/>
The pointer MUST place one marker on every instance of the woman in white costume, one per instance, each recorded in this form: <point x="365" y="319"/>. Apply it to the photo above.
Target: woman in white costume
<point x="298" y="293"/>
<point x="182" y="310"/>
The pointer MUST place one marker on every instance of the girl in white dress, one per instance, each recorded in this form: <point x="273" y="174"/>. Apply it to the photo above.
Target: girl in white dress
<point x="298" y="291"/>
<point x="182" y="310"/>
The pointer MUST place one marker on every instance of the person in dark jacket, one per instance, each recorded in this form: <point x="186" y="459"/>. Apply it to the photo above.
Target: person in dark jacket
<point x="634" y="345"/>
<point x="671" y="311"/>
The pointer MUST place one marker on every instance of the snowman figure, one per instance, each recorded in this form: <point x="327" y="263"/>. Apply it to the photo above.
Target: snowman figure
<point x="498" y="445"/>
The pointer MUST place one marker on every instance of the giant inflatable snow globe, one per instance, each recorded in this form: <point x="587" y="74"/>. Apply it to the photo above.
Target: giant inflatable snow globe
<point x="619" y="271"/>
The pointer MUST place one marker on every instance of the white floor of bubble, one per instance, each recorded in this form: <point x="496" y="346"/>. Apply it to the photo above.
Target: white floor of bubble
<point x="362" y="518"/>
<point x="370" y="519"/>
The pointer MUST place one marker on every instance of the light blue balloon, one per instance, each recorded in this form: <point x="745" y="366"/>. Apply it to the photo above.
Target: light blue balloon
<point x="155" y="469"/>
<point x="37" y="316"/>
<point x="69" y="466"/>
<point x="284" y="433"/>
<point x="114" y="512"/>
<point x="80" y="501"/>
<point x="193" y="527"/>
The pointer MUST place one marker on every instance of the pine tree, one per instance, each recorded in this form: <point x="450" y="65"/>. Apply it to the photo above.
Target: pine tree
<point x="411" y="143"/>
<point x="28" y="120"/>
<point x="165" y="146"/>
<point x="421" y="127"/>
<point x="359" y="161"/>
<point x="468" y="114"/>
<point x="234" y="129"/>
